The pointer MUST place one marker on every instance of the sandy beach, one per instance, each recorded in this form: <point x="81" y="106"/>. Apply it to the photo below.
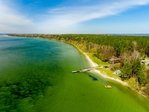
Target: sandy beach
<point x="93" y="64"/>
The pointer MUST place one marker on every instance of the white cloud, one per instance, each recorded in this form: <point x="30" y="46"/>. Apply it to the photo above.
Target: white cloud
<point x="63" y="19"/>
<point x="66" y="16"/>
<point x="11" y="20"/>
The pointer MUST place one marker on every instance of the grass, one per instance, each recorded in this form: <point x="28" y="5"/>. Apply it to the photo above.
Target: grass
<point x="108" y="72"/>
<point x="98" y="61"/>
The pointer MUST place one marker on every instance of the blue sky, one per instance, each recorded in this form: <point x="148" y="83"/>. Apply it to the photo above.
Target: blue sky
<point x="74" y="16"/>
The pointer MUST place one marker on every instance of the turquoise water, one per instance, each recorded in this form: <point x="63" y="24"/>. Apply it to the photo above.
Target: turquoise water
<point x="43" y="60"/>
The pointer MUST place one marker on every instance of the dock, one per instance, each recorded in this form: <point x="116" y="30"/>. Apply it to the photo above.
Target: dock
<point x="89" y="69"/>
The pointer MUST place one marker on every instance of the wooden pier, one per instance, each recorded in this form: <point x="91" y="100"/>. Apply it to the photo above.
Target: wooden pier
<point x="88" y="69"/>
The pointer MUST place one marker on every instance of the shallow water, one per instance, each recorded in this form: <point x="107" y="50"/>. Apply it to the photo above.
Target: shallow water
<point x="69" y="92"/>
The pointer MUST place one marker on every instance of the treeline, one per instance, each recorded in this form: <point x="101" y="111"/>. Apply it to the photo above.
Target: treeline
<point x="120" y="44"/>
<point x="128" y="51"/>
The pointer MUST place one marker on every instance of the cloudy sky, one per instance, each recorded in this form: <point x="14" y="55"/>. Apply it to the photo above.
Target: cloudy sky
<point x="74" y="16"/>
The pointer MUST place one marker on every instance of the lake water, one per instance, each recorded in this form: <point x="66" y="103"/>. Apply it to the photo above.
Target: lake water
<point x="69" y="92"/>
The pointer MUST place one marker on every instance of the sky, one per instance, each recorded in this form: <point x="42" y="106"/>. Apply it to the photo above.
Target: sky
<point x="74" y="16"/>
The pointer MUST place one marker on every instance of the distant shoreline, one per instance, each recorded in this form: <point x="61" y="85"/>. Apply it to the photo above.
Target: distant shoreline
<point x="112" y="34"/>
<point x="130" y="34"/>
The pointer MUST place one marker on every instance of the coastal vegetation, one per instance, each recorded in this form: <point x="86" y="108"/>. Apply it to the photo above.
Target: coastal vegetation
<point x="127" y="54"/>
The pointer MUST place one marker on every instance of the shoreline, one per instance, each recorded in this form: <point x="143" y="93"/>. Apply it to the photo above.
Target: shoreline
<point x="98" y="72"/>
<point x="105" y="76"/>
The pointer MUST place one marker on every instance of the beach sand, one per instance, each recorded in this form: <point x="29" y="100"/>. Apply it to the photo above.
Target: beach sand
<point x="93" y="64"/>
